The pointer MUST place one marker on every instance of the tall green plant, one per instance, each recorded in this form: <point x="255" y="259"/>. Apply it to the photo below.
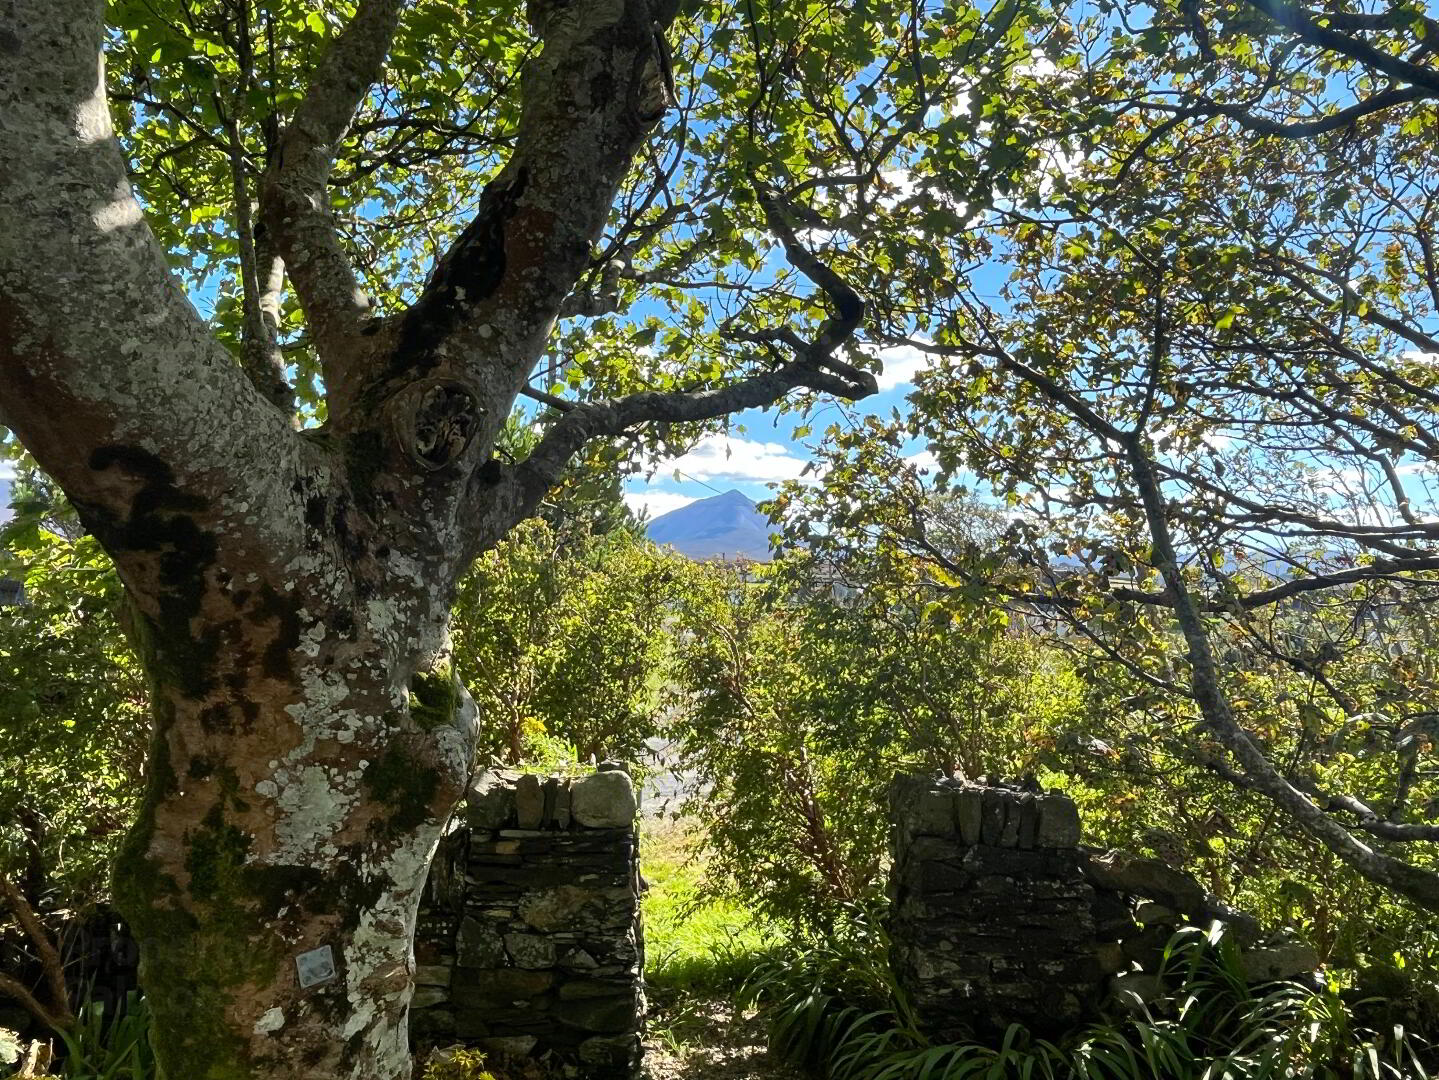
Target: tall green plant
<point x="1210" y="1024"/>
<point x="111" y="1046"/>
<point x="561" y="633"/>
<point x="798" y="694"/>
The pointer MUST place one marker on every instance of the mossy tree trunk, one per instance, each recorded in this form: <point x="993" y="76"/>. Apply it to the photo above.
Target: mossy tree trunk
<point x="290" y="588"/>
<point x="291" y="813"/>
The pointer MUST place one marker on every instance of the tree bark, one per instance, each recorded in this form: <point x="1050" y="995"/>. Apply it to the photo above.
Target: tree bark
<point x="300" y="816"/>
<point x="309" y="740"/>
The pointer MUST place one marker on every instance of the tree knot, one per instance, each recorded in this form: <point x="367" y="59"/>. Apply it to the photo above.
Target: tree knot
<point x="435" y="422"/>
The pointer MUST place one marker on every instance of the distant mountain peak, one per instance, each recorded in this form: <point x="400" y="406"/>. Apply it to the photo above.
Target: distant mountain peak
<point x="722" y="526"/>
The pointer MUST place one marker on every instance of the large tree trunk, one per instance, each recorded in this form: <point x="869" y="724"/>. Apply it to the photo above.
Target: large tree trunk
<point x="302" y="820"/>
<point x="310" y="743"/>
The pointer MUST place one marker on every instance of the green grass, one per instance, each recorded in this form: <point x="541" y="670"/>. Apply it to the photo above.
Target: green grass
<point x="693" y="942"/>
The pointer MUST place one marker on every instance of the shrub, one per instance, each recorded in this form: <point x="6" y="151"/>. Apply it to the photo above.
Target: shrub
<point x="76" y="721"/>
<point x="111" y="1047"/>
<point x="795" y="703"/>
<point x="560" y="636"/>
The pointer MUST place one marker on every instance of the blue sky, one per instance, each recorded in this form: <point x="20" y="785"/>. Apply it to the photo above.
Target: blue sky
<point x="761" y="449"/>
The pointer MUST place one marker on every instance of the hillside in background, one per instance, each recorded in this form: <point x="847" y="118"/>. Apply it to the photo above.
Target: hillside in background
<point x="726" y="526"/>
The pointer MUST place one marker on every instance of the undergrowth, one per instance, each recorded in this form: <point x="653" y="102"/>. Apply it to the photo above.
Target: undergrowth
<point x="460" y="1065"/>
<point x="101" y="1047"/>
<point x="833" y="1008"/>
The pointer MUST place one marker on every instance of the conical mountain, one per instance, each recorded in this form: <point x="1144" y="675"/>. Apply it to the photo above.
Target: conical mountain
<point x="722" y="527"/>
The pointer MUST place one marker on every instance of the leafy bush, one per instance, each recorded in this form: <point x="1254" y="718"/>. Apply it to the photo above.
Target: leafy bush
<point x="816" y="996"/>
<point x="76" y="728"/>
<point x="560" y="636"/>
<point x="467" y="1063"/>
<point x="796" y="700"/>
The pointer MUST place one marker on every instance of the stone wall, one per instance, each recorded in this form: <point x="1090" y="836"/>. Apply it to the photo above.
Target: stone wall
<point x="991" y="914"/>
<point x="999" y="914"/>
<point x="529" y="940"/>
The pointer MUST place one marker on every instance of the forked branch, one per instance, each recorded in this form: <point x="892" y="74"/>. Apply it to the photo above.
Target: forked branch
<point x="58" y="1013"/>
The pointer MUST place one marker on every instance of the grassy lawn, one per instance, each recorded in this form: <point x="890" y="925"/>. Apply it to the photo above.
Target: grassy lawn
<point x="692" y="942"/>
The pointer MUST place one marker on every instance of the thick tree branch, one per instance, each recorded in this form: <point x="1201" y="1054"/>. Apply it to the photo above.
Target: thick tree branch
<point x="1367" y="820"/>
<point x="848" y="307"/>
<point x="815" y="367"/>
<point x="1398" y="18"/>
<point x="1305" y="25"/>
<point x="294" y="206"/>
<point x="17" y="991"/>
<point x="538" y="473"/>
<point x="103" y="362"/>
<point x="1419" y="885"/>
<point x="1293" y="129"/>
<point x="559" y="404"/>
<point x="588" y="101"/>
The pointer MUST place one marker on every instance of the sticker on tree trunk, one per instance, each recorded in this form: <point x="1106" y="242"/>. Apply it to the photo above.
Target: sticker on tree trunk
<point x="315" y="967"/>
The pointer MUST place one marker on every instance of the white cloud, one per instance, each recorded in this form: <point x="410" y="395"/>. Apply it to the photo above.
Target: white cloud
<point x="655" y="503"/>
<point x="720" y="457"/>
<point x="923" y="459"/>
<point x="901" y="364"/>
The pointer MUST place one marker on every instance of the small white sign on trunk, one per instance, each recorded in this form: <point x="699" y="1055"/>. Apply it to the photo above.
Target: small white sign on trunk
<point x="315" y="967"/>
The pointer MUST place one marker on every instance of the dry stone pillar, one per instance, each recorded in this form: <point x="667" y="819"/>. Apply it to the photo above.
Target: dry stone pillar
<point x="990" y="915"/>
<point x="530" y="940"/>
